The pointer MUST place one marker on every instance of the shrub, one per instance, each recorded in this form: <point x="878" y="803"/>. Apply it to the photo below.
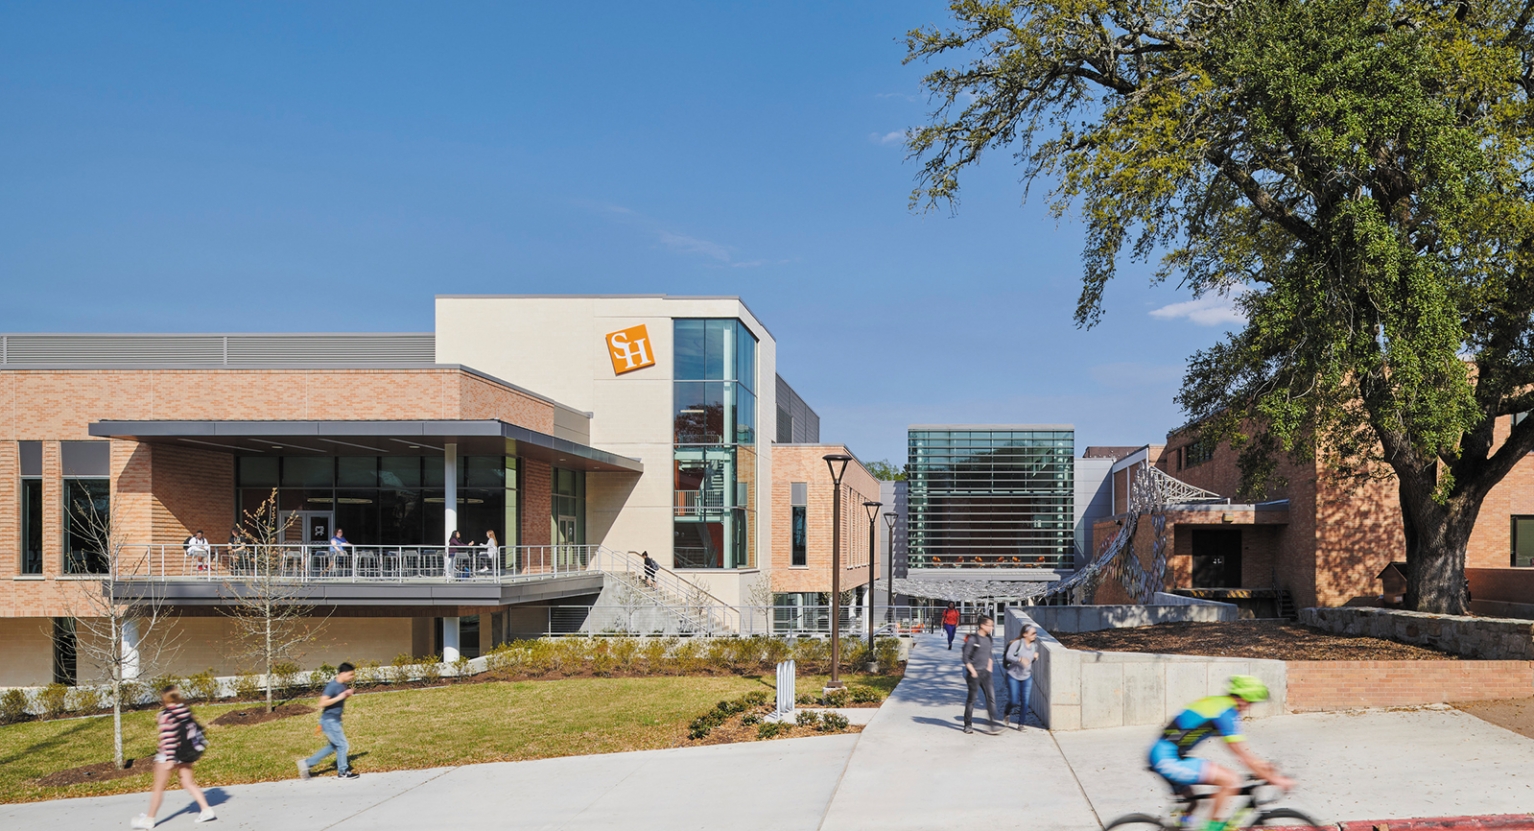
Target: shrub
<point x="53" y="700"/>
<point x="835" y="698"/>
<point x="247" y="686"/>
<point x="320" y="677"/>
<point x="887" y="652"/>
<point x="805" y="698"/>
<point x="567" y="655"/>
<point x="768" y="729"/>
<point x="399" y="668"/>
<point x="431" y="669"/>
<point x="284" y="675"/>
<point x="807" y="718"/>
<point x="689" y="657"/>
<point x="751" y="718"/>
<point x="833" y="723"/>
<point x="776" y="650"/>
<point x="86" y="699"/>
<point x="812" y="654"/>
<point x="854" y="653"/>
<point x="132" y="694"/>
<point x="160" y="682"/>
<point x="13" y="706"/>
<point x="625" y="651"/>
<point x="602" y="661"/>
<point x="864" y="694"/>
<point x="656" y="654"/>
<point x="540" y="656"/>
<point x="368" y="673"/>
<point x="755" y="698"/>
<point x="201" y="687"/>
<point x="462" y="668"/>
<point x="699" y="729"/>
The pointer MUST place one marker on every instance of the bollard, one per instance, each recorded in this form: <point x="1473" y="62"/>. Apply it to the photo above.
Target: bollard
<point x="786" y="687"/>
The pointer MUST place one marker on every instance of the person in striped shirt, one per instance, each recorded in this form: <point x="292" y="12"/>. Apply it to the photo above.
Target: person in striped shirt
<point x="170" y="720"/>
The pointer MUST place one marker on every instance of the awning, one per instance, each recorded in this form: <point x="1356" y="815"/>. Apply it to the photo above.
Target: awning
<point x="478" y="437"/>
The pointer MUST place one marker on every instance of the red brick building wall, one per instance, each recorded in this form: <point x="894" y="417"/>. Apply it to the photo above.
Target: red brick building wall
<point x="805" y="463"/>
<point x="1340" y="685"/>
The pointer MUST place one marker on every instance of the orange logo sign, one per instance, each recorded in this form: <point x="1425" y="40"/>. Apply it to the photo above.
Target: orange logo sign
<point x="630" y="349"/>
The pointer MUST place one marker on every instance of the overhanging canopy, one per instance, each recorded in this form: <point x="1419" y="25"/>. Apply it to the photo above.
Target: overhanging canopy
<point x="477" y="437"/>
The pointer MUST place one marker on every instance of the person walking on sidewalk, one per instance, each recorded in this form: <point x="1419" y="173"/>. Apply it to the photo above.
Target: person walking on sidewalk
<point x="180" y="744"/>
<point x="1018" y="658"/>
<point x="333" y="701"/>
<point x="950" y="622"/>
<point x="977" y="674"/>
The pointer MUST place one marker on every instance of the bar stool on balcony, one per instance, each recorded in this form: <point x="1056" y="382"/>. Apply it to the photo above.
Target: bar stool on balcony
<point x="367" y="562"/>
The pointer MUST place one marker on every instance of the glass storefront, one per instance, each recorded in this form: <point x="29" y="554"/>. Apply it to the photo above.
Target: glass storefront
<point x="991" y="498"/>
<point x="715" y="444"/>
<point x="386" y="500"/>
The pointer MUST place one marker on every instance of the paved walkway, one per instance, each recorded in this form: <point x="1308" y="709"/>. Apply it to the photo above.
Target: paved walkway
<point x="912" y="767"/>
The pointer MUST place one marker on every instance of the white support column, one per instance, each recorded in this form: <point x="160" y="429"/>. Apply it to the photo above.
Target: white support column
<point x="450" y="639"/>
<point x="131" y="636"/>
<point x="449" y="525"/>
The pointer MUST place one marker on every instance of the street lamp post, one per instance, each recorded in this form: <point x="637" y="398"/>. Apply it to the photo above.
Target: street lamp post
<point x="872" y="665"/>
<point x="837" y="462"/>
<point x="889" y="578"/>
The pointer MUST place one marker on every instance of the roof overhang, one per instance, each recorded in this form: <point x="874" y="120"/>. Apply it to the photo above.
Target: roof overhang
<point x="476" y="437"/>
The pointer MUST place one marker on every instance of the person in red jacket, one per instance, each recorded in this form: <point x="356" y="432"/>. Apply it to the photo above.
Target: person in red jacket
<point x="950" y="622"/>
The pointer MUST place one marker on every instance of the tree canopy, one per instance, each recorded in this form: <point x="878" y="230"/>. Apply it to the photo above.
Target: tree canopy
<point x="1354" y="175"/>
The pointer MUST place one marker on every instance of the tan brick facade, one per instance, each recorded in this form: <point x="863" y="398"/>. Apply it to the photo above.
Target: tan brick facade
<point x="805" y="463"/>
<point x="1341" y="685"/>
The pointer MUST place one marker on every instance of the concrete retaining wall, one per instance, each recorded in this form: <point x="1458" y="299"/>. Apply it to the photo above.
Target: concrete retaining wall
<point x="1345" y="685"/>
<point x="1079" y="690"/>
<point x="1501" y="639"/>
<point x="1167" y="608"/>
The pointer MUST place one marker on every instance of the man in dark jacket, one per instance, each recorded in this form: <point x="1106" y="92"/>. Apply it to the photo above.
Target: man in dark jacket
<point x="977" y="674"/>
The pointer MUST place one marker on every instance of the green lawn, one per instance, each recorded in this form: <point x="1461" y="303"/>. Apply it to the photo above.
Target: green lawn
<point x="398" y="730"/>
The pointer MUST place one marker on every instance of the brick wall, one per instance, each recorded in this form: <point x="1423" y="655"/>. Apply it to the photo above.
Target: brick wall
<point x="193" y="490"/>
<point x="537" y="501"/>
<point x="1341" y="685"/>
<point x="805" y="463"/>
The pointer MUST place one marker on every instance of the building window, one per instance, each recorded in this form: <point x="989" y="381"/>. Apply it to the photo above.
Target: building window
<point x="714" y="436"/>
<point x="88" y="511"/>
<point x="31" y="526"/>
<point x="1523" y="541"/>
<point x="799" y="492"/>
<point x="1198" y="452"/>
<point x="569" y="507"/>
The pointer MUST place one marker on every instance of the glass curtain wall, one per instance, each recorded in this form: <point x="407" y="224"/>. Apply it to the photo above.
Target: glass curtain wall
<point x="715" y="444"/>
<point x="388" y="500"/>
<point x="991" y="498"/>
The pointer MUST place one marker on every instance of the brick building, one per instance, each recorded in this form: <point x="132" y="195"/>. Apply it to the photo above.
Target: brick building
<point x="580" y="431"/>
<point x="803" y="492"/>
<point x="1314" y="540"/>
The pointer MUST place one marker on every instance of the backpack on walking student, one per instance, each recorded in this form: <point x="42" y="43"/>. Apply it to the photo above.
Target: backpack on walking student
<point x="191" y="742"/>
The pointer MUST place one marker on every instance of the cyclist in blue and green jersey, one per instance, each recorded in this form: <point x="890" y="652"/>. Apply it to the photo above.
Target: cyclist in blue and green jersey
<point x="1217" y="714"/>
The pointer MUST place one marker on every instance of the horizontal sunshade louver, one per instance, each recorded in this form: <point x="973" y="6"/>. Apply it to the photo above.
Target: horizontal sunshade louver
<point x="217" y="350"/>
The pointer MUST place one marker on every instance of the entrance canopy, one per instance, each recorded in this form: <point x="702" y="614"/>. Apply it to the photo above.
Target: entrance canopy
<point x="478" y="437"/>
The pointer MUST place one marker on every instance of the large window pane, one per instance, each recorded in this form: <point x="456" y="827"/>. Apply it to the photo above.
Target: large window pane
<point x="1523" y="541"/>
<point x="88" y="509"/>
<point x="689" y="350"/>
<point x="698" y="544"/>
<point x="308" y="472"/>
<point x="800" y="531"/>
<point x="400" y="472"/>
<point x="357" y="515"/>
<point x="699" y="413"/>
<point x="744" y="412"/>
<point x="357" y="471"/>
<point x="31" y="526"/>
<point x="400" y="518"/>
<point x="258" y="471"/>
<point x="745" y="356"/>
<point x="717" y="333"/>
<point x="483" y="471"/>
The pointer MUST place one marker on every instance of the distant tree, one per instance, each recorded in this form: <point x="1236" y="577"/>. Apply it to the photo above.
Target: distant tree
<point x="1355" y="176"/>
<point x="886" y="471"/>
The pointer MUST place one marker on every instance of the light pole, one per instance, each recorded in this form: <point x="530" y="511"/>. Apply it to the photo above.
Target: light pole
<point x="889" y="579"/>
<point x="837" y="462"/>
<point x="872" y="665"/>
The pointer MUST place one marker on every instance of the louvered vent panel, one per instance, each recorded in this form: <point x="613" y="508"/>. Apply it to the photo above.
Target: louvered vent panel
<point x="113" y="350"/>
<point x="349" y="350"/>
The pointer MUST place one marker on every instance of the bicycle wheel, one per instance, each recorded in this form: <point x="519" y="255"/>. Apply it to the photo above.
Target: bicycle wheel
<point x="1139" y="822"/>
<point x="1279" y="817"/>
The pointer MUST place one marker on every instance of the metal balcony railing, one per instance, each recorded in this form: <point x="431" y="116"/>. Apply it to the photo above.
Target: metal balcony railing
<point x="352" y="563"/>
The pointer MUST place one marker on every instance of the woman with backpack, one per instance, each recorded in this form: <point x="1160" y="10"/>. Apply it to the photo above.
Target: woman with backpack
<point x="181" y="744"/>
<point x="1018" y="658"/>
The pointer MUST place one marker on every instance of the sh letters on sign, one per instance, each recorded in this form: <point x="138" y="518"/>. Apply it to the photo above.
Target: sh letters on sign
<point x="630" y="349"/>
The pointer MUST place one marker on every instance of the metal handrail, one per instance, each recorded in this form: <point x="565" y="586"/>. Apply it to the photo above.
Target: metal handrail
<point x="672" y="590"/>
<point x="353" y="562"/>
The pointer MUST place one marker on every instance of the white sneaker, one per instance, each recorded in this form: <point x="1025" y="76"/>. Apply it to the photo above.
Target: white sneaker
<point x="206" y="816"/>
<point x="303" y="769"/>
<point x="143" y="821"/>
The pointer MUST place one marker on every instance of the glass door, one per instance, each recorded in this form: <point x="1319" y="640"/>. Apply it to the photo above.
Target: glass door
<point x="567" y="541"/>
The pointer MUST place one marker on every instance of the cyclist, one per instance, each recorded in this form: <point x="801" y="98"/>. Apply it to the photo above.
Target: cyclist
<point x="1216" y="714"/>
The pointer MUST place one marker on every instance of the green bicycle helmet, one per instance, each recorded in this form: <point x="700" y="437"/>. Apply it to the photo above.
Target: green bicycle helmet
<point x="1247" y="687"/>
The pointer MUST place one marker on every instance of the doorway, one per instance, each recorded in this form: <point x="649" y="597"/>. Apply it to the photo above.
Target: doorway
<point x="308" y="527"/>
<point x="1216" y="558"/>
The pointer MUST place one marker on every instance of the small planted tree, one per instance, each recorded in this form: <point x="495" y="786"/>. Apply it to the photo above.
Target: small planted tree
<point x="120" y="629"/>
<point x="270" y="611"/>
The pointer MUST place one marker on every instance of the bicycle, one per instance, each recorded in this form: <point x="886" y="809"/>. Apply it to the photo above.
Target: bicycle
<point x="1248" y="813"/>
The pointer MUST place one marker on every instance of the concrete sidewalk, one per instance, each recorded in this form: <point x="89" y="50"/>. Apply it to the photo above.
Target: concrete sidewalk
<point x="912" y="767"/>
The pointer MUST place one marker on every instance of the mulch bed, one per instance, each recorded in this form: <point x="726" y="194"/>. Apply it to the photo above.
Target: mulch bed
<point x="736" y="730"/>
<point x="259" y="715"/>
<point x="1515" y="714"/>
<point x="1250" y="639"/>
<point x="99" y="772"/>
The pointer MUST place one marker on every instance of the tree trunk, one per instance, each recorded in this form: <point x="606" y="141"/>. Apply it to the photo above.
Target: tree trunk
<point x="1436" y="539"/>
<point x="117" y="720"/>
<point x="269" y="707"/>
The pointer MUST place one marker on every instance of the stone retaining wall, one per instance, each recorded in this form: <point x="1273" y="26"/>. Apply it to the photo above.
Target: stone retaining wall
<point x="1345" y="685"/>
<point x="1498" y="639"/>
<point x="1167" y="608"/>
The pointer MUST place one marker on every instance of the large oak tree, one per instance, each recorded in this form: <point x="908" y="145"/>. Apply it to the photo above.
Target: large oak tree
<point x="1355" y="174"/>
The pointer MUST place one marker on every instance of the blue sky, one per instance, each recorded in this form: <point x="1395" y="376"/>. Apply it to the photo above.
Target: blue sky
<point x="331" y="167"/>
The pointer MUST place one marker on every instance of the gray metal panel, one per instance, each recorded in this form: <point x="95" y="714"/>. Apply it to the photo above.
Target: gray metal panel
<point x="31" y="458"/>
<point x="206" y="593"/>
<point x="804" y="423"/>
<point x="217" y="350"/>
<point x="86" y="458"/>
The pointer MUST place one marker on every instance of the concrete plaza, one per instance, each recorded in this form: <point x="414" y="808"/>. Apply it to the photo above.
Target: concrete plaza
<point x="912" y="767"/>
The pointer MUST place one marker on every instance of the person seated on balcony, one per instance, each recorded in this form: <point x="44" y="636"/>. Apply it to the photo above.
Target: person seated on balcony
<point x="201" y="552"/>
<point x="491" y="551"/>
<point x="455" y="547"/>
<point x="338" y="546"/>
<point x="239" y="552"/>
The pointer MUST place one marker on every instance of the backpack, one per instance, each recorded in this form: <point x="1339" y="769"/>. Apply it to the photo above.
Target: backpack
<point x="191" y="741"/>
